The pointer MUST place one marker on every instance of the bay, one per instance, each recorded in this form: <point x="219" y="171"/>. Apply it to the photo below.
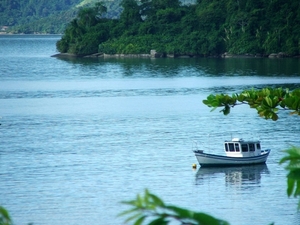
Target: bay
<point x="78" y="136"/>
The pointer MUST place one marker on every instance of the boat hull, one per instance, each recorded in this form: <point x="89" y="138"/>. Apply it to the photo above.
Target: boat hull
<point x="211" y="160"/>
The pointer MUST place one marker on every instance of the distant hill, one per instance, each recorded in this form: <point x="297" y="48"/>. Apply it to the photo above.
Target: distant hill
<point x="48" y="16"/>
<point x="43" y="16"/>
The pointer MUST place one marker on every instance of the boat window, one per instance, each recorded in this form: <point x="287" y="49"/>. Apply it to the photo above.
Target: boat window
<point x="231" y="147"/>
<point x="258" y="146"/>
<point x="237" y="147"/>
<point x="226" y="147"/>
<point x="244" y="148"/>
<point x="251" y="148"/>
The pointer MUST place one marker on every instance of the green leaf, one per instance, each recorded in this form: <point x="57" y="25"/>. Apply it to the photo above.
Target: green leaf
<point x="294" y="174"/>
<point x="139" y="201"/>
<point x="296" y="104"/>
<point x="268" y="102"/>
<point x="128" y="211"/>
<point x="293" y="154"/>
<point x="158" y="221"/>
<point x="226" y="110"/>
<point x="294" y="165"/>
<point x="156" y="200"/>
<point x="4" y="213"/>
<point x="289" y="101"/>
<point x="182" y="213"/>
<point x="214" y="109"/>
<point x="133" y="217"/>
<point x="140" y="220"/>
<point x="290" y="187"/>
<point x="4" y="217"/>
<point x="132" y="202"/>
<point x="240" y="97"/>
<point x="297" y="191"/>
<point x="274" y="116"/>
<point x="205" y="219"/>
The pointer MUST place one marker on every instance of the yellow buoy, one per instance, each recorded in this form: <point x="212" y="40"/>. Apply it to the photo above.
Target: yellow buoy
<point x="194" y="166"/>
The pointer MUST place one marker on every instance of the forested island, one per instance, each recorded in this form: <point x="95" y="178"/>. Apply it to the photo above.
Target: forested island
<point x="205" y="28"/>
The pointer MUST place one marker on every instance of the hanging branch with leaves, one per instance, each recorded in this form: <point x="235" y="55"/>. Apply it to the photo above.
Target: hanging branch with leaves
<point x="267" y="101"/>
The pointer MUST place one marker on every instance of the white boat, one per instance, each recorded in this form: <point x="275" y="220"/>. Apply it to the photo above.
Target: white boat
<point x="237" y="153"/>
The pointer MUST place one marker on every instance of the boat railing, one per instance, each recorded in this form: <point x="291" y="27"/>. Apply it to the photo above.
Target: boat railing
<point x="195" y="146"/>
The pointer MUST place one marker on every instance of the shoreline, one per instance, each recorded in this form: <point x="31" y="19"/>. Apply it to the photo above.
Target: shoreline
<point x="154" y="54"/>
<point x="11" y="34"/>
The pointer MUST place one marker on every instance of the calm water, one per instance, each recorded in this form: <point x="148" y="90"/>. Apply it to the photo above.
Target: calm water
<point x="79" y="136"/>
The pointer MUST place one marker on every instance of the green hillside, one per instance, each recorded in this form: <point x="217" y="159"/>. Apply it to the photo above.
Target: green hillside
<point x="45" y="16"/>
<point x="22" y="15"/>
<point x="48" y="16"/>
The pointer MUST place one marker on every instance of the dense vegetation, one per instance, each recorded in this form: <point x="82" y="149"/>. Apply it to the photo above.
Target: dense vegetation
<point x="208" y="27"/>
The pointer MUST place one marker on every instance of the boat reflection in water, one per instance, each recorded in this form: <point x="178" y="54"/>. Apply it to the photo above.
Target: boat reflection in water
<point x="241" y="175"/>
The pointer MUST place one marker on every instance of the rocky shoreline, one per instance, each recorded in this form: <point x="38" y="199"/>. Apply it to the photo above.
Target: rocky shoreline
<point x="154" y="54"/>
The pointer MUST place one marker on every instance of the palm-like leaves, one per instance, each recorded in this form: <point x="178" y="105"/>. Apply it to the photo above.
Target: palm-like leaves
<point x="4" y="217"/>
<point x="293" y="177"/>
<point x="150" y="209"/>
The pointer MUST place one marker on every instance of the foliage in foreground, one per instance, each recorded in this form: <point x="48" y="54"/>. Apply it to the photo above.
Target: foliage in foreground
<point x="293" y="177"/>
<point x="267" y="101"/>
<point x="151" y="208"/>
<point x="4" y="217"/>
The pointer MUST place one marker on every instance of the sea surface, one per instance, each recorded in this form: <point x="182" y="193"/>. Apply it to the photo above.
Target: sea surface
<point x="78" y="136"/>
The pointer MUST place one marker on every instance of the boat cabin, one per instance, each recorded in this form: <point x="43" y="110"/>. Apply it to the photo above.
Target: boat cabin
<point x="237" y="147"/>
